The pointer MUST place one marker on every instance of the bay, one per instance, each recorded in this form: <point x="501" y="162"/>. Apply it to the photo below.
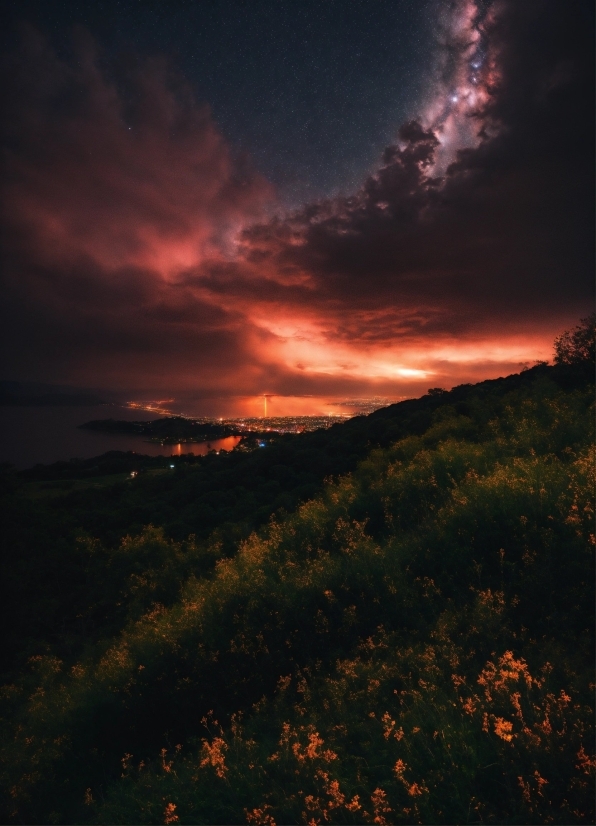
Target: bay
<point x="42" y="435"/>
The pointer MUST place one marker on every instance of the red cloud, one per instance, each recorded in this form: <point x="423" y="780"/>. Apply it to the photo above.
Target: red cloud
<point x="113" y="188"/>
<point x="140" y="253"/>
<point x="129" y="174"/>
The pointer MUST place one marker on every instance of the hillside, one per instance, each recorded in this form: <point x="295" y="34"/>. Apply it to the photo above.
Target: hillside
<point x="387" y="622"/>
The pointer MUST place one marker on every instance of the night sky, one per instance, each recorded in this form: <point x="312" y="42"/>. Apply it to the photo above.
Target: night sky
<point x="313" y="91"/>
<point x="226" y="198"/>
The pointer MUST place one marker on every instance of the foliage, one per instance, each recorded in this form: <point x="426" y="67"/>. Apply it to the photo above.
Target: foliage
<point x="577" y="346"/>
<point x="413" y="644"/>
<point x="55" y="597"/>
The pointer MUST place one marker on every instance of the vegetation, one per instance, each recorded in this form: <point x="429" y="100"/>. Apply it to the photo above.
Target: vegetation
<point x="577" y="346"/>
<point x="408" y="642"/>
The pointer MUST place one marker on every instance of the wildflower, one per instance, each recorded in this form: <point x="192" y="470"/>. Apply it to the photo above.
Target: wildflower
<point x="311" y="802"/>
<point x="545" y="725"/>
<point x="469" y="706"/>
<point x="169" y="815"/>
<point x="125" y="762"/>
<point x="525" y="790"/>
<point x="540" y="782"/>
<point x="312" y="750"/>
<point x="388" y="725"/>
<point x="495" y="601"/>
<point x="380" y="807"/>
<point x="503" y="729"/>
<point x="586" y="763"/>
<point x="516" y="704"/>
<point x="529" y="734"/>
<point x="166" y="766"/>
<point x="213" y="755"/>
<point x="400" y="768"/>
<point x="353" y="805"/>
<point x="286" y="733"/>
<point x="337" y="798"/>
<point x="509" y="669"/>
<point x="260" y="817"/>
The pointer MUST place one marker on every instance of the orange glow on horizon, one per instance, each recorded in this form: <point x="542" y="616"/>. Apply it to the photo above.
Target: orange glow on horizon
<point x="304" y="348"/>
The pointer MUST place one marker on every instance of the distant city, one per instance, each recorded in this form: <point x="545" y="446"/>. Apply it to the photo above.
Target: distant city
<point x="366" y="406"/>
<point x="277" y="424"/>
<point x="284" y="424"/>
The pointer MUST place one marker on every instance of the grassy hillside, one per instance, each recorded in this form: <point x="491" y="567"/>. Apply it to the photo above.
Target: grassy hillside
<point x="409" y="641"/>
<point x="63" y="579"/>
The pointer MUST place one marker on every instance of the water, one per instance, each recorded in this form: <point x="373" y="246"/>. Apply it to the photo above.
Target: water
<point x="32" y="435"/>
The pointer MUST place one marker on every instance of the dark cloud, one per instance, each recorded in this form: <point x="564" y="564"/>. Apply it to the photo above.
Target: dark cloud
<point x="505" y="237"/>
<point x="110" y="187"/>
<point x="122" y="203"/>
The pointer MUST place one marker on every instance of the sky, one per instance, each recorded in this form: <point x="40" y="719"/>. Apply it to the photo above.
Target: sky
<point x="335" y="198"/>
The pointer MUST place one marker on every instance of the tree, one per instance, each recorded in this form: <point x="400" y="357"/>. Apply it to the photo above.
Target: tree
<point x="577" y="346"/>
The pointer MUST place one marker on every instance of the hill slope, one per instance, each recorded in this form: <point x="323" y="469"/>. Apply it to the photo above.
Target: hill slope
<point x="412" y="644"/>
<point x="219" y="500"/>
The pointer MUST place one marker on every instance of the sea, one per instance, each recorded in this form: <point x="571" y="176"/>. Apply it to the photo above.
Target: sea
<point x="31" y="434"/>
<point x="41" y="435"/>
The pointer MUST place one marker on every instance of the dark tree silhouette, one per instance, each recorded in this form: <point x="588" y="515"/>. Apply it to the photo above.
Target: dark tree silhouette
<point x="577" y="345"/>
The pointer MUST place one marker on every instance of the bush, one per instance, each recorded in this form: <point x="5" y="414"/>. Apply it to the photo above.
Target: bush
<point x="578" y="345"/>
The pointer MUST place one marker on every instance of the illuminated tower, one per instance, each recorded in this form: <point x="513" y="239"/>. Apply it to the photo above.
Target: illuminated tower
<point x="265" y="397"/>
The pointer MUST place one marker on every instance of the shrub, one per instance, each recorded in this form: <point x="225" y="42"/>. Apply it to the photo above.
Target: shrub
<point x="578" y="345"/>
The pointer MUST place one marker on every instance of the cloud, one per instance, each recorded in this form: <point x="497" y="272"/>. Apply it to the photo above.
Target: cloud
<point x="113" y="187"/>
<point x="498" y="248"/>
<point x="142" y="250"/>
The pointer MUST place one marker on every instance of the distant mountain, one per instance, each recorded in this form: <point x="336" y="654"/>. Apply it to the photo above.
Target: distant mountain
<point x="170" y="429"/>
